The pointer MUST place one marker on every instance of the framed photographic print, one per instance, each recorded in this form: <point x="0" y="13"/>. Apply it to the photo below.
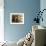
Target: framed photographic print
<point x="16" y="18"/>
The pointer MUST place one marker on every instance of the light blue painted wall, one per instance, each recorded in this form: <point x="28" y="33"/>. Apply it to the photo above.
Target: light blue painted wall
<point x="43" y="6"/>
<point x="28" y="7"/>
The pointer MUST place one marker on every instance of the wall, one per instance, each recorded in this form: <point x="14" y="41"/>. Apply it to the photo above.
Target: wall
<point x="29" y="8"/>
<point x="1" y="20"/>
<point x="43" y="6"/>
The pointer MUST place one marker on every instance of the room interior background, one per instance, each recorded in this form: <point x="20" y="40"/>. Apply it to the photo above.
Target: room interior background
<point x="29" y="8"/>
<point x="13" y="32"/>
